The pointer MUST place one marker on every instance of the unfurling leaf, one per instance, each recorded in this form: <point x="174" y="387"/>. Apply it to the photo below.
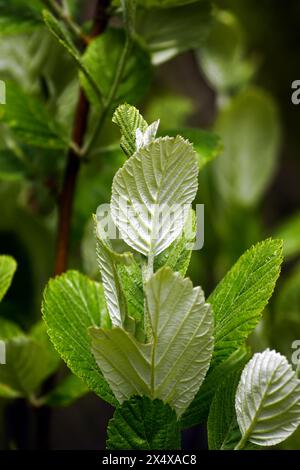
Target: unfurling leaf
<point x="129" y="119"/>
<point x="267" y="400"/>
<point x="157" y="180"/>
<point x="172" y="366"/>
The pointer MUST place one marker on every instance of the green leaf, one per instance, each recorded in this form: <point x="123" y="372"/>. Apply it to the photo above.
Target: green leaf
<point x="223" y="55"/>
<point x="249" y="128"/>
<point x="158" y="177"/>
<point x="11" y="167"/>
<point x="101" y="60"/>
<point x="242" y="295"/>
<point x="143" y="424"/>
<point x="178" y="255"/>
<point x="223" y="429"/>
<point x="69" y="390"/>
<point x="8" y="267"/>
<point x="173" y="365"/>
<point x="17" y="17"/>
<point x="198" y="410"/>
<point x="267" y="400"/>
<point x="289" y="233"/>
<point x="169" y="32"/>
<point x="129" y="119"/>
<point x="72" y="303"/>
<point x="29" y="120"/>
<point x="28" y="362"/>
<point x="61" y="34"/>
<point x="208" y="145"/>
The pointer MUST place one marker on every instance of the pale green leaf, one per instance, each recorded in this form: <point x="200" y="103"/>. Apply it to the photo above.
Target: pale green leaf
<point x="157" y="179"/>
<point x="198" y="410"/>
<point x="30" y="121"/>
<point x="143" y="424"/>
<point x="289" y="233"/>
<point x="72" y="303"/>
<point x="8" y="267"/>
<point x="108" y="261"/>
<point x="28" y="362"/>
<point x="250" y="131"/>
<point x="267" y="400"/>
<point x="208" y="145"/>
<point x="69" y="390"/>
<point x="101" y="60"/>
<point x="242" y="295"/>
<point x="171" y="31"/>
<point x="128" y="119"/>
<point x="173" y="364"/>
<point x="223" y="55"/>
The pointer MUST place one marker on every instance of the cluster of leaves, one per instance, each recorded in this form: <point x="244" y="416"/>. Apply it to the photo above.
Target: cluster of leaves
<point x="146" y="341"/>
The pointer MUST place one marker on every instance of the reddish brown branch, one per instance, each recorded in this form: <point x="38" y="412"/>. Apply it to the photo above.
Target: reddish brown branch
<point x="66" y="198"/>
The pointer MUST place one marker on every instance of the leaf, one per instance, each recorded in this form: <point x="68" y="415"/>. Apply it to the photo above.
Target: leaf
<point x="242" y="295"/>
<point x="108" y="261"/>
<point x="267" y="400"/>
<point x="223" y="429"/>
<point x="178" y="255"/>
<point x="17" y="17"/>
<point x="289" y="233"/>
<point x="69" y="390"/>
<point x="157" y="182"/>
<point x="30" y="121"/>
<point x="198" y="410"/>
<point x="207" y="144"/>
<point x="249" y="128"/>
<point x="144" y="138"/>
<point x="223" y="57"/>
<point x="143" y="424"/>
<point x="101" y="60"/>
<point x="128" y="119"/>
<point x="8" y="267"/>
<point x="61" y="34"/>
<point x="171" y="31"/>
<point x="72" y="303"/>
<point x="11" y="167"/>
<point x="173" y="365"/>
<point x="28" y="362"/>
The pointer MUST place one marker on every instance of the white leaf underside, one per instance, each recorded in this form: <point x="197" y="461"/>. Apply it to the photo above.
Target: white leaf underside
<point x="173" y="366"/>
<point x="268" y="399"/>
<point x="158" y="177"/>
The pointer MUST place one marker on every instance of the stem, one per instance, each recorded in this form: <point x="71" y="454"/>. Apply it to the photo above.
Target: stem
<point x="108" y="103"/>
<point x="73" y="161"/>
<point x="66" y="18"/>
<point x="241" y="444"/>
<point x="69" y="184"/>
